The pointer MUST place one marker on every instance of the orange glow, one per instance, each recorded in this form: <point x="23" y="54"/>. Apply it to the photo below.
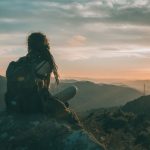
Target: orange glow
<point x="129" y="75"/>
<point x="2" y="72"/>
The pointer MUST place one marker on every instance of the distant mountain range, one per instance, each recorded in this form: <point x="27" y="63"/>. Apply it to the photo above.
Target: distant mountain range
<point x="139" y="85"/>
<point x="92" y="96"/>
<point x="2" y="91"/>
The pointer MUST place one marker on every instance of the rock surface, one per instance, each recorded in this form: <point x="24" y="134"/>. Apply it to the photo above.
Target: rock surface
<point x="40" y="132"/>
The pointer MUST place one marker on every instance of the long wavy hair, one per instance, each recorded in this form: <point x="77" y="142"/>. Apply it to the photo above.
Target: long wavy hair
<point x="38" y="43"/>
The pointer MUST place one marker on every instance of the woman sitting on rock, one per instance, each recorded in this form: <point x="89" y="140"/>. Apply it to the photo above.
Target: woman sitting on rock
<point x="28" y="81"/>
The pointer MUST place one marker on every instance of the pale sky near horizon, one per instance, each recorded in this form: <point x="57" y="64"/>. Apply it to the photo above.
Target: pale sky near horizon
<point x="89" y="38"/>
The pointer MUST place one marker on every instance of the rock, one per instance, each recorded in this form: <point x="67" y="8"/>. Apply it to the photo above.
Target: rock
<point x="40" y="132"/>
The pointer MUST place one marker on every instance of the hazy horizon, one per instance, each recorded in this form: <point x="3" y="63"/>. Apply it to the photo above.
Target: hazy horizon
<point x="107" y="39"/>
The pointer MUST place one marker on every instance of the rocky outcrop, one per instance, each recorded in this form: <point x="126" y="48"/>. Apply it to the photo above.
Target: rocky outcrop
<point x="40" y="132"/>
<point x="119" y="130"/>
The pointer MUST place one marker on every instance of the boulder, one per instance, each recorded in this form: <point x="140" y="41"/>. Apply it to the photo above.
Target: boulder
<point x="41" y="132"/>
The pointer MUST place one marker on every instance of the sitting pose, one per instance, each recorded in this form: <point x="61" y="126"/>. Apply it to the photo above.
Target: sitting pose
<point x="28" y="81"/>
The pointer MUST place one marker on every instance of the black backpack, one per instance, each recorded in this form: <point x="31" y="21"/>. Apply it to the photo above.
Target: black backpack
<point x="24" y="93"/>
<point x="20" y="76"/>
<point x="21" y="95"/>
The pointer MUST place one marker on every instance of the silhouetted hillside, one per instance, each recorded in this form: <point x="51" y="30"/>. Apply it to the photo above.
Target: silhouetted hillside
<point x="91" y="95"/>
<point x="2" y="84"/>
<point x="119" y="130"/>
<point x="139" y="106"/>
<point x="2" y="91"/>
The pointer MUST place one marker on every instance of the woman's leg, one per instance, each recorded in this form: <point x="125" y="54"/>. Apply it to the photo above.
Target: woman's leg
<point x="56" y="108"/>
<point x="66" y="94"/>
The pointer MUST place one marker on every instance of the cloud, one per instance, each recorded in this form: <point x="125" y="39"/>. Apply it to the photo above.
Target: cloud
<point x="77" y="40"/>
<point x="78" y="30"/>
<point x="105" y="10"/>
<point x="95" y="53"/>
<point x="24" y="15"/>
<point x="102" y="22"/>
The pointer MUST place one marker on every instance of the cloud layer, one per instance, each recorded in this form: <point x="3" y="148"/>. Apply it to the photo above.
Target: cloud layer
<point x="81" y="30"/>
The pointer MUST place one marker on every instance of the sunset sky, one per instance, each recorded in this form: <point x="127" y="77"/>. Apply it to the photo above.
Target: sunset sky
<point x="89" y="38"/>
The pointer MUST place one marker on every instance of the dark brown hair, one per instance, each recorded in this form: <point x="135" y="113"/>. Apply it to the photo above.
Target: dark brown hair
<point x="38" y="43"/>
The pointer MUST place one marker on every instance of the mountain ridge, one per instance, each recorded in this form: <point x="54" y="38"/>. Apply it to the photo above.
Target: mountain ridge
<point x="91" y="95"/>
<point x="140" y="105"/>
